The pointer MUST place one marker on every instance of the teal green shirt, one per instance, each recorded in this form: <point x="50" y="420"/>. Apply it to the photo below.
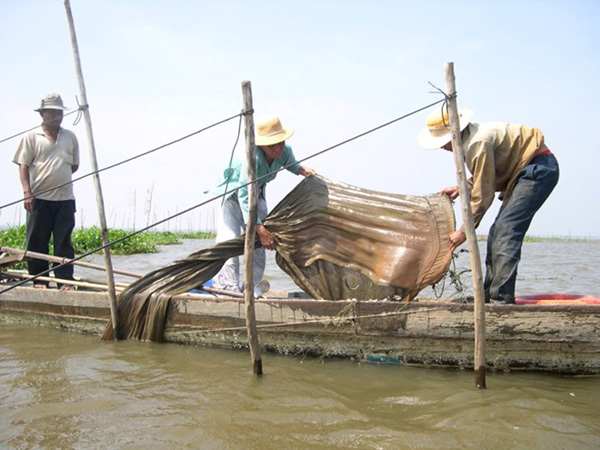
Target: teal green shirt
<point x="235" y="178"/>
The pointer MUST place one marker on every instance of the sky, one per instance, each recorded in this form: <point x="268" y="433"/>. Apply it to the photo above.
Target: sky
<point x="156" y="71"/>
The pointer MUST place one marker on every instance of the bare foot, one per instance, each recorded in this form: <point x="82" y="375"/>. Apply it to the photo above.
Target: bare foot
<point x="64" y="287"/>
<point x="40" y="286"/>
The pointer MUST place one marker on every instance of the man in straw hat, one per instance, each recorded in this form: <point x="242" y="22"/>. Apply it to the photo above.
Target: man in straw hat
<point x="272" y="154"/>
<point x="47" y="157"/>
<point x="506" y="158"/>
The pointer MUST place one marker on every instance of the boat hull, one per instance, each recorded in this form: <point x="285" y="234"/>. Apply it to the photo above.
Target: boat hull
<point x="552" y="338"/>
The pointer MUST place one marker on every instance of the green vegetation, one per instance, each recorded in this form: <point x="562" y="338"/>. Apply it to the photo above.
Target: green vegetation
<point x="88" y="239"/>
<point x="561" y="239"/>
<point x="13" y="237"/>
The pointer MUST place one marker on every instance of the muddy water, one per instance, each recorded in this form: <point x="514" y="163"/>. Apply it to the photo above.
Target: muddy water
<point x="67" y="390"/>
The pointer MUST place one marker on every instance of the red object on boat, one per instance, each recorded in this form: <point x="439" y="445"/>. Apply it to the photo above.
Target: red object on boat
<point x="557" y="299"/>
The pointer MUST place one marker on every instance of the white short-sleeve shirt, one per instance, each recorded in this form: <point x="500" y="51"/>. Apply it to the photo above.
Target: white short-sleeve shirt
<point x="50" y="164"/>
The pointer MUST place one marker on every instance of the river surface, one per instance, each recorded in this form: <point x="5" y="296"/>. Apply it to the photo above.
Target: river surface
<point x="67" y="390"/>
<point x="566" y="267"/>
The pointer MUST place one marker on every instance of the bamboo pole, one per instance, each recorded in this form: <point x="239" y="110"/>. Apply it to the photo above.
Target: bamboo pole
<point x="82" y="284"/>
<point x="102" y="287"/>
<point x="99" y="199"/>
<point x="250" y="232"/>
<point x="29" y="254"/>
<point x="467" y="216"/>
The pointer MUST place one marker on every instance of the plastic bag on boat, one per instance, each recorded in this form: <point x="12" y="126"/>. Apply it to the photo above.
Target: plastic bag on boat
<point x="336" y="241"/>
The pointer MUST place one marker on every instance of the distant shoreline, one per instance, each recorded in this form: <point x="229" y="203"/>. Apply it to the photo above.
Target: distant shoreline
<point x="552" y="239"/>
<point x="211" y="235"/>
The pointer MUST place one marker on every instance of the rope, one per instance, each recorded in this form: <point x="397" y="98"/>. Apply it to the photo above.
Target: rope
<point x="369" y="131"/>
<point x="455" y="278"/>
<point x="233" y="150"/>
<point x="78" y="110"/>
<point x="124" y="161"/>
<point x="447" y="97"/>
<point x="353" y="138"/>
<point x="347" y="314"/>
<point x="185" y="211"/>
<point x="336" y="320"/>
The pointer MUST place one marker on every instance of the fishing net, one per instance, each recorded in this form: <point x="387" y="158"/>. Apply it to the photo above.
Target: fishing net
<point x="336" y="241"/>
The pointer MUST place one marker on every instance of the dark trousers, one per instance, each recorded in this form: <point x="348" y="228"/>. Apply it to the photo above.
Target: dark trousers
<point x="505" y="240"/>
<point x="51" y="218"/>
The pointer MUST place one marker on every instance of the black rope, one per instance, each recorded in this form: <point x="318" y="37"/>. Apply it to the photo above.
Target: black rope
<point x="244" y="113"/>
<point x="37" y="126"/>
<point x="160" y="222"/>
<point x="80" y="109"/>
<point x="355" y="137"/>
<point x="122" y="162"/>
<point x="447" y="97"/>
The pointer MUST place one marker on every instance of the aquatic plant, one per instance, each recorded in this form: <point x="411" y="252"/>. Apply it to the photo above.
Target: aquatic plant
<point x="88" y="239"/>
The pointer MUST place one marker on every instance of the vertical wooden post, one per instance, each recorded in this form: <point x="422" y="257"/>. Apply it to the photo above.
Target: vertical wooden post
<point x="250" y="231"/>
<point x="99" y="199"/>
<point x="467" y="216"/>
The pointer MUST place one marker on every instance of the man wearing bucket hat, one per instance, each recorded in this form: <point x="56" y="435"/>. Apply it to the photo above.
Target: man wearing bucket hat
<point x="506" y="158"/>
<point x="272" y="154"/>
<point x="47" y="157"/>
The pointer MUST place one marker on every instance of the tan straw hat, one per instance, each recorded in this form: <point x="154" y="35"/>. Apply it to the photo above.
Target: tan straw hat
<point x="269" y="131"/>
<point x="437" y="134"/>
<point x="51" y="101"/>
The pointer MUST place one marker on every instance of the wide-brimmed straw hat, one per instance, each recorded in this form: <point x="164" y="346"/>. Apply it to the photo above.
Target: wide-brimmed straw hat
<point x="269" y="131"/>
<point x="51" y="101"/>
<point x="437" y="134"/>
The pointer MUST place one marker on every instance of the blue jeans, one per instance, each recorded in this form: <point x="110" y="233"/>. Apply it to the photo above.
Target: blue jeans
<point x="505" y="240"/>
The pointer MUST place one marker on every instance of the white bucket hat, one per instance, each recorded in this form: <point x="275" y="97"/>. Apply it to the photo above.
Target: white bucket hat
<point x="437" y="134"/>
<point x="51" y="101"/>
<point x="269" y="131"/>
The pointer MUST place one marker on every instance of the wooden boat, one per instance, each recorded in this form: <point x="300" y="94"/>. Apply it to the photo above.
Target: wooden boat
<point x="426" y="332"/>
